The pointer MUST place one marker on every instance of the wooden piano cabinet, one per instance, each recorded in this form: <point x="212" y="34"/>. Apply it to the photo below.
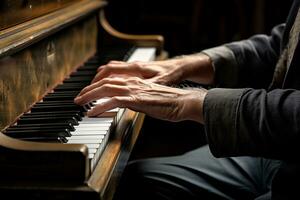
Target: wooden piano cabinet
<point x="111" y="164"/>
<point x="27" y="10"/>
<point x="35" y="56"/>
<point x="28" y="73"/>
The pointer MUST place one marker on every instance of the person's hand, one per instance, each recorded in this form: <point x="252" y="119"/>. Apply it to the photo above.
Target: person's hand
<point x="196" y="67"/>
<point x="155" y="100"/>
<point x="162" y="72"/>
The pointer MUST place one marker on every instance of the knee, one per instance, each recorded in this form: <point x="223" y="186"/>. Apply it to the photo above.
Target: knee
<point x="135" y="182"/>
<point x="152" y="179"/>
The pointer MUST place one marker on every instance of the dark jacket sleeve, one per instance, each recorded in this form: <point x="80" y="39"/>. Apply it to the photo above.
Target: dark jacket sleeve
<point x="253" y="122"/>
<point x="247" y="63"/>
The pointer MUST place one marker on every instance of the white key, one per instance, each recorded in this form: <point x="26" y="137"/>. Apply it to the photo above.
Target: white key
<point x="84" y="141"/>
<point x="92" y="150"/>
<point x="89" y="132"/>
<point x="94" y="132"/>
<point x="143" y="54"/>
<point x="93" y="146"/>
<point x="106" y="124"/>
<point x="91" y="155"/>
<point x="88" y="120"/>
<point x="86" y="130"/>
<point x="88" y="137"/>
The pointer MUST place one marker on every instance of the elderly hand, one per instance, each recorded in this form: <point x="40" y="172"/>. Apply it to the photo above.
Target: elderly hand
<point x="140" y="95"/>
<point x="197" y="67"/>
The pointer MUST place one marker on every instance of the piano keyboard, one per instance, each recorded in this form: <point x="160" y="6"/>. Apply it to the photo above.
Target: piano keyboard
<point x="57" y="119"/>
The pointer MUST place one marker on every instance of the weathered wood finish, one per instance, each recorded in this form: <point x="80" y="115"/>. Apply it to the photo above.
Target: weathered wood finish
<point x="106" y="175"/>
<point x="27" y="75"/>
<point x="27" y="9"/>
<point x="30" y="161"/>
<point x="20" y="36"/>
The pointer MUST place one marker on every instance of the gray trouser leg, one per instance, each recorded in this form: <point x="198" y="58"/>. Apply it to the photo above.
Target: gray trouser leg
<point x="198" y="175"/>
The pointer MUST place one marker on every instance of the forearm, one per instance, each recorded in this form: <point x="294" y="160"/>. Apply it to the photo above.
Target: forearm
<point x="196" y="67"/>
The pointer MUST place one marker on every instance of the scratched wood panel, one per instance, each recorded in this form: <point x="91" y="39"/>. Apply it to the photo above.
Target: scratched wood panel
<point x="27" y="75"/>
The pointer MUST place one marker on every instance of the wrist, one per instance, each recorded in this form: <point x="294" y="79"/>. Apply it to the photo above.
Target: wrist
<point x="197" y="67"/>
<point x="193" y="106"/>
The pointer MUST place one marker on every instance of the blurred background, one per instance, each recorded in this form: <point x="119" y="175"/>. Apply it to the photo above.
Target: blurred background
<point x="191" y="25"/>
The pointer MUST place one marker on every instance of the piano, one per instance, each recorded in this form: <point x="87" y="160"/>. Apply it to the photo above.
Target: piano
<point x="49" y="51"/>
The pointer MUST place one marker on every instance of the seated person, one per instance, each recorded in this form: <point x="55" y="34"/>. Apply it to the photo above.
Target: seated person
<point x="251" y="117"/>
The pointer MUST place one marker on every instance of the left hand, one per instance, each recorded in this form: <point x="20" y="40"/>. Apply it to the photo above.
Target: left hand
<point x="155" y="100"/>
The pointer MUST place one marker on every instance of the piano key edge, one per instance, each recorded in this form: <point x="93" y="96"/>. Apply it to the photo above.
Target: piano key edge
<point x="100" y="184"/>
<point x="107" y="172"/>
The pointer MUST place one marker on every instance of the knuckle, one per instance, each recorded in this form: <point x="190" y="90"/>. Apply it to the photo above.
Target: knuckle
<point x="136" y="65"/>
<point x="115" y="99"/>
<point x="134" y="80"/>
<point x="106" y="80"/>
<point x="108" y="67"/>
<point x="106" y="87"/>
<point x="127" y="90"/>
<point x="136" y="99"/>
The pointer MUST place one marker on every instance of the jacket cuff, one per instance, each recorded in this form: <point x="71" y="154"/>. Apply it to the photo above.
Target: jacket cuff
<point x="225" y="66"/>
<point x="220" y="115"/>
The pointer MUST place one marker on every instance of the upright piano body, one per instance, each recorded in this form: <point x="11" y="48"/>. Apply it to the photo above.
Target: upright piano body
<point x="41" y="43"/>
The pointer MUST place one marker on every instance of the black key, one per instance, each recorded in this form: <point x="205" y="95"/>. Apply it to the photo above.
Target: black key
<point x="59" y="108"/>
<point x="46" y="139"/>
<point x="60" y="93"/>
<point x="48" y="120"/>
<point x="68" y="85"/>
<point x="92" y="62"/>
<point x="55" y="103"/>
<point x="64" y="93"/>
<point x="57" y="113"/>
<point x="84" y="73"/>
<point x="37" y="133"/>
<point x="61" y="103"/>
<point x="36" y="129"/>
<point x="68" y="88"/>
<point x="84" y="80"/>
<point x="68" y="126"/>
<point x="58" y="97"/>
<point x="89" y="68"/>
<point x="55" y="107"/>
<point x="35" y="115"/>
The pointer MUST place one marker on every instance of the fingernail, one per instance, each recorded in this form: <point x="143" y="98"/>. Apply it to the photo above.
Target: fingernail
<point x="78" y="98"/>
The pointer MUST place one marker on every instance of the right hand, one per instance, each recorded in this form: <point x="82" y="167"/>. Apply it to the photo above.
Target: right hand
<point x="196" y="68"/>
<point x="155" y="100"/>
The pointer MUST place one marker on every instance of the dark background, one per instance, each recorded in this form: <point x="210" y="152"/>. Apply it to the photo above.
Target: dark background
<point x="190" y="26"/>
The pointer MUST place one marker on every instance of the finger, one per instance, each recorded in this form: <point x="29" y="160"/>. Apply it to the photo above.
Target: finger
<point x="116" y="62"/>
<point x="120" y="76"/>
<point x="112" y="103"/>
<point x="115" y="81"/>
<point x="113" y="69"/>
<point x="106" y="90"/>
<point x="107" y="70"/>
<point x="110" y="62"/>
